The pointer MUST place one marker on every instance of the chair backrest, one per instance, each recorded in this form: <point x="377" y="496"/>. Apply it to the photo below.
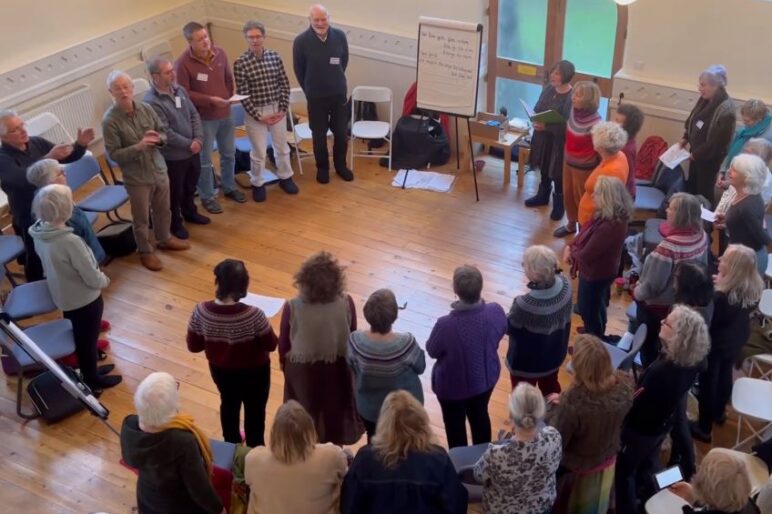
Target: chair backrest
<point x="141" y="86"/>
<point x="238" y="114"/>
<point x="371" y="94"/>
<point x="81" y="171"/>
<point x="638" y="339"/>
<point x="297" y="95"/>
<point x="49" y="126"/>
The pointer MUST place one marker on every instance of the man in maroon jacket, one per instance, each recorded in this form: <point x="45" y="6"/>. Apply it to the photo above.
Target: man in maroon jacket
<point x="204" y="73"/>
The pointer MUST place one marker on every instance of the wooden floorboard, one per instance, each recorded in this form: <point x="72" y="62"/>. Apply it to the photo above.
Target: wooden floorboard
<point x="407" y="240"/>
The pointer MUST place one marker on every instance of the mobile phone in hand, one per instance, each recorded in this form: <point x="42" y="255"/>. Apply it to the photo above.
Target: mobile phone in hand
<point x="668" y="477"/>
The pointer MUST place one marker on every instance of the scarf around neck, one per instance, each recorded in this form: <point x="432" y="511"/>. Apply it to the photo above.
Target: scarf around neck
<point x="746" y="134"/>
<point x="185" y="422"/>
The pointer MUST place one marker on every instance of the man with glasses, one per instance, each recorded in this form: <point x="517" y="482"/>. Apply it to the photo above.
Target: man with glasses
<point x="203" y="71"/>
<point x="18" y="152"/>
<point x="184" y="138"/>
<point x="260" y="75"/>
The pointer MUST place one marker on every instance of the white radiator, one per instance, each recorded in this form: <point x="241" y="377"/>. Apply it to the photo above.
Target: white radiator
<point x="74" y="109"/>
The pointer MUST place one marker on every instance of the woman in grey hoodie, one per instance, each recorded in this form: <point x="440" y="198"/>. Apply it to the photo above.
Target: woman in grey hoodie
<point x="73" y="276"/>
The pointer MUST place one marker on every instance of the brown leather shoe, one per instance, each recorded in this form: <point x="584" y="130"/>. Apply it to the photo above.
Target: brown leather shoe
<point x="174" y="244"/>
<point x="151" y="261"/>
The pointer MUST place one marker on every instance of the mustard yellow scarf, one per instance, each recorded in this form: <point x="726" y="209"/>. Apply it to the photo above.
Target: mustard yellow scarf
<point x="185" y="422"/>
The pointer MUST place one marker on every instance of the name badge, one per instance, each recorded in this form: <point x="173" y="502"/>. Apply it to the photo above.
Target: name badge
<point x="178" y="102"/>
<point x="335" y="61"/>
<point x="203" y="77"/>
<point x="700" y="124"/>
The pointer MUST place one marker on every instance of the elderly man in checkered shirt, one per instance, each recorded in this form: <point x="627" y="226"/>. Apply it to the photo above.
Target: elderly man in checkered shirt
<point x="260" y="74"/>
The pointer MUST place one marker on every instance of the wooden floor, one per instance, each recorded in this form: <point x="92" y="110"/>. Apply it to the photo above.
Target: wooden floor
<point x="409" y="241"/>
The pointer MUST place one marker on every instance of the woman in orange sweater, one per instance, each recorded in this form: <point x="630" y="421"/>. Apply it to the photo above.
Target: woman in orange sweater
<point x="608" y="139"/>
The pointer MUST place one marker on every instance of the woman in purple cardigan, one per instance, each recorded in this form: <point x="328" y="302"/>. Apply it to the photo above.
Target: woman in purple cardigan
<point x="465" y="344"/>
<point x="594" y="254"/>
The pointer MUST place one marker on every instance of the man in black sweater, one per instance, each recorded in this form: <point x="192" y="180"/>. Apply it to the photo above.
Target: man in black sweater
<point x="320" y="57"/>
<point x="18" y="152"/>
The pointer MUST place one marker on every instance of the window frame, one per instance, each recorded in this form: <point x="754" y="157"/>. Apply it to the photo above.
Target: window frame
<point x="500" y="67"/>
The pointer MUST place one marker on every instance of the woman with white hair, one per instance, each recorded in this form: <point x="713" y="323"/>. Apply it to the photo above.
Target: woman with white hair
<point x="49" y="171"/>
<point x="708" y="133"/>
<point x="595" y="253"/>
<point x="608" y="139"/>
<point x="744" y="220"/>
<point x="661" y="389"/>
<point x="73" y="278"/>
<point x="722" y="485"/>
<point x="518" y="474"/>
<point x="738" y="290"/>
<point x="172" y="456"/>
<point x="539" y="323"/>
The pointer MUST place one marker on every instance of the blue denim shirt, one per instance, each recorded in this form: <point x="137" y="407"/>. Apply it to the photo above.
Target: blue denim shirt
<point x="83" y="229"/>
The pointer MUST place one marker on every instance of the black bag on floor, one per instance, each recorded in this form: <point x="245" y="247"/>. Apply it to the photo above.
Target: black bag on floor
<point x="50" y="398"/>
<point x="118" y="239"/>
<point x="419" y="141"/>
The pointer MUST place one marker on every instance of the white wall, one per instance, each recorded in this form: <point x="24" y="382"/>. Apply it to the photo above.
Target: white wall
<point x="670" y="42"/>
<point x="33" y="29"/>
<point x="392" y="16"/>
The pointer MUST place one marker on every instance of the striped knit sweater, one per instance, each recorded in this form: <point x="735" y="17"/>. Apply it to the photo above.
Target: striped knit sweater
<point x="234" y="336"/>
<point x="580" y="152"/>
<point x="381" y="367"/>
<point x="655" y="286"/>
<point x="539" y="327"/>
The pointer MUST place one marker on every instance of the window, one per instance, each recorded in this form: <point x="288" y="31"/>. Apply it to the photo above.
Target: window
<point x="531" y="35"/>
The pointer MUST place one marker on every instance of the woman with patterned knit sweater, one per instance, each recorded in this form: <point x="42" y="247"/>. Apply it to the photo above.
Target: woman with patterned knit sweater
<point x="237" y="340"/>
<point x="465" y="344"/>
<point x="313" y="342"/>
<point x="654" y="293"/>
<point x="539" y="323"/>
<point x="383" y="360"/>
<point x="580" y="157"/>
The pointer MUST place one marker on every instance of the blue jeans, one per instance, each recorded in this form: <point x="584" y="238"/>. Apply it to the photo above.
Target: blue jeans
<point x="762" y="257"/>
<point x="222" y="131"/>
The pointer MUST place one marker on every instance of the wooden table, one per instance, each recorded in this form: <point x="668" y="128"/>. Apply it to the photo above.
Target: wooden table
<point x="510" y="140"/>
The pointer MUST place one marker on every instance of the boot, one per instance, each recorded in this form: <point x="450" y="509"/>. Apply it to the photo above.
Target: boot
<point x="542" y="196"/>
<point x="557" y="207"/>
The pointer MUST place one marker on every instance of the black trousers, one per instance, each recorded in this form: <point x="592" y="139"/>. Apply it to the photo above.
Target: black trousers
<point x="682" y="448"/>
<point x="369" y="428"/>
<point x="715" y="390"/>
<point x="329" y="112"/>
<point x="653" y="321"/>
<point x="183" y="180"/>
<point x="249" y="387"/>
<point x="456" y="412"/>
<point x="592" y="298"/>
<point x="33" y="268"/>
<point x="86" y="322"/>
<point x="636" y="462"/>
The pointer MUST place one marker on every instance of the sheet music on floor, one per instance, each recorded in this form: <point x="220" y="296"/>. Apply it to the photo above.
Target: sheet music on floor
<point x="429" y="180"/>
<point x="270" y="305"/>
<point x="674" y="156"/>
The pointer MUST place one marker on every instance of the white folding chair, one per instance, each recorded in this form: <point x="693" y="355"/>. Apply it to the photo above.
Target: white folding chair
<point x="665" y="502"/>
<point x="757" y="468"/>
<point x="763" y="364"/>
<point x="370" y="129"/>
<point x="141" y="86"/>
<point x="300" y="131"/>
<point x="765" y="305"/>
<point x="752" y="400"/>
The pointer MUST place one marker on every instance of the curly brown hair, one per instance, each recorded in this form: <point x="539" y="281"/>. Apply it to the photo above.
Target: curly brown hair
<point x="320" y="278"/>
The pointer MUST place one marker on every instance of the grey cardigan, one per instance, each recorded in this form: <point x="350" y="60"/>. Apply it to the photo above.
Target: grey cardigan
<point x="181" y="119"/>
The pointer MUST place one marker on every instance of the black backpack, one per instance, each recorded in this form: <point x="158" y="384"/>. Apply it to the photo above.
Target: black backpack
<point x="419" y="141"/>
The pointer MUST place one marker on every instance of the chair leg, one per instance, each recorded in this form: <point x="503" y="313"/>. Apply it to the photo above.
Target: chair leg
<point x="10" y="276"/>
<point x="351" y="142"/>
<point x="19" y="391"/>
<point x="297" y="155"/>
